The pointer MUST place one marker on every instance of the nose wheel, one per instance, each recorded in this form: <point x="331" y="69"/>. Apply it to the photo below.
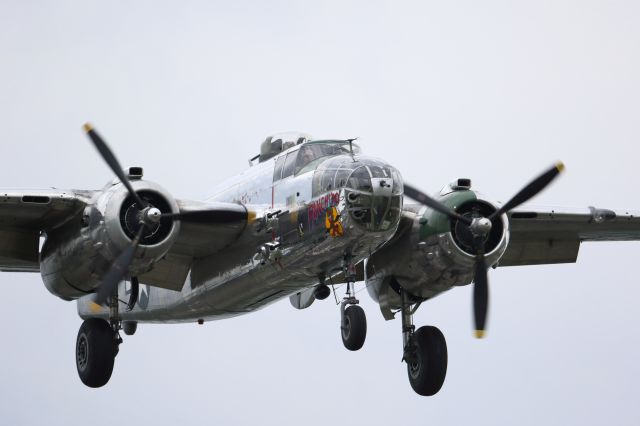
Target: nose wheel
<point x="354" y="327"/>
<point x="353" y="321"/>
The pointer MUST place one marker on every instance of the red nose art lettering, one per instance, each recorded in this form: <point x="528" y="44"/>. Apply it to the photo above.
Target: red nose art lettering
<point x="317" y="208"/>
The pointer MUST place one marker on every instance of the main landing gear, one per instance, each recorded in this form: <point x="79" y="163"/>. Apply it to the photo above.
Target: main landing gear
<point x="425" y="352"/>
<point x="97" y="346"/>
<point x="96" y="349"/>
<point x="425" y="349"/>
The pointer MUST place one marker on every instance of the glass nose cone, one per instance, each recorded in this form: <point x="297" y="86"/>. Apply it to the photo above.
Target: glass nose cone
<point x="372" y="190"/>
<point x="374" y="197"/>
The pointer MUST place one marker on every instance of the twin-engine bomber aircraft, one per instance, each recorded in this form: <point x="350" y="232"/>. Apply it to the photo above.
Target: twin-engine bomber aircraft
<point x="306" y="215"/>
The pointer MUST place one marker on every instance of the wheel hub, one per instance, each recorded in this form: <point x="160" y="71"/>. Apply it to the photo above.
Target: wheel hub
<point x="82" y="352"/>
<point x="412" y="358"/>
<point x="414" y="368"/>
<point x="346" y="328"/>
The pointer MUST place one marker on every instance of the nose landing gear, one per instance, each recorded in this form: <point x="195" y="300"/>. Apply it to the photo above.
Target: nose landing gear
<point x="353" y="321"/>
<point x="354" y="325"/>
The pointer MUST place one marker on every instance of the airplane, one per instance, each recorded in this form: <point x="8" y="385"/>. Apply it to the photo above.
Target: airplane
<point x="307" y="215"/>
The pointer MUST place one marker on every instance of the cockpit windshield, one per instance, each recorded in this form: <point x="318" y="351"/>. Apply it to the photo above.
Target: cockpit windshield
<point x="312" y="152"/>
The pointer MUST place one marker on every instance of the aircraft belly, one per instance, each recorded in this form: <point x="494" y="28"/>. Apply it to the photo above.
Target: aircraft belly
<point x="215" y="290"/>
<point x="253" y="286"/>
<point x="239" y="291"/>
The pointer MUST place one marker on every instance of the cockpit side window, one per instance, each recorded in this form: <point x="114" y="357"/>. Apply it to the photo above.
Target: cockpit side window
<point x="312" y="153"/>
<point x="290" y="164"/>
<point x="277" y="172"/>
<point x="306" y="156"/>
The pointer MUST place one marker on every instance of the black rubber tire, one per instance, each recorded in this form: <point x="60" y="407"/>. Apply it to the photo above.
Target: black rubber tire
<point x="428" y="371"/>
<point x="354" y="329"/>
<point x="96" y="349"/>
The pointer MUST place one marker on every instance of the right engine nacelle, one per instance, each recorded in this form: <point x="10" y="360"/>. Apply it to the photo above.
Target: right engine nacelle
<point x="432" y="253"/>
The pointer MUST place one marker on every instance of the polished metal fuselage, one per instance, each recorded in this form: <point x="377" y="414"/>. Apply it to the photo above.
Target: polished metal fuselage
<point x="271" y="260"/>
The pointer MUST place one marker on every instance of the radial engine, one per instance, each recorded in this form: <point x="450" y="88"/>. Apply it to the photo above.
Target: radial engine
<point x="76" y="256"/>
<point x="431" y="252"/>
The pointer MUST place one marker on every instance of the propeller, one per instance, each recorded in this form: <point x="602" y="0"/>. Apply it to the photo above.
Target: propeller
<point x="118" y="270"/>
<point x="146" y="218"/>
<point x="149" y="216"/>
<point x="480" y="227"/>
<point x="207" y="216"/>
<point x="423" y="198"/>
<point x="112" y="161"/>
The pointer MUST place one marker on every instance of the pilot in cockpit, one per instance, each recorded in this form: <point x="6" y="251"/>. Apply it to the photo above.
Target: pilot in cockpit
<point x="312" y="152"/>
<point x="307" y="155"/>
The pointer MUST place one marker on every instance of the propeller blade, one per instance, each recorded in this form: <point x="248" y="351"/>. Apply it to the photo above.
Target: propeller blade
<point x="531" y="190"/>
<point x="111" y="161"/>
<point x="208" y="216"/>
<point x="480" y="295"/>
<point x="118" y="270"/>
<point x="423" y="198"/>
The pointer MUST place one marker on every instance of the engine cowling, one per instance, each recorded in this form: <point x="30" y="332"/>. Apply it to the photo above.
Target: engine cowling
<point x="432" y="253"/>
<point x="75" y="258"/>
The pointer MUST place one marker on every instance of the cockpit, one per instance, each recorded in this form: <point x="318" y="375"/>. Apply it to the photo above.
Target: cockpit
<point x="310" y="155"/>
<point x="372" y="189"/>
<point x="313" y="152"/>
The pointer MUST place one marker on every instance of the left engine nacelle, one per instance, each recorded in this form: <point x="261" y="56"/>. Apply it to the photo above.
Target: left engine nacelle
<point x="432" y="253"/>
<point x="75" y="257"/>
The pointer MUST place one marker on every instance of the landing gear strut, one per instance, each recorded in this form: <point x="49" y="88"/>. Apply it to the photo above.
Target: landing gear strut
<point x="425" y="352"/>
<point x="97" y="346"/>
<point x="353" y="321"/>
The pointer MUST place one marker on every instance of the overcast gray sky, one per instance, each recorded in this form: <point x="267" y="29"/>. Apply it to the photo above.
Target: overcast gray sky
<point x="494" y="90"/>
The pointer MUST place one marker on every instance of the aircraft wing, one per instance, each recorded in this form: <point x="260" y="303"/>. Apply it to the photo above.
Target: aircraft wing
<point x="197" y="239"/>
<point x="553" y="235"/>
<point x="25" y="214"/>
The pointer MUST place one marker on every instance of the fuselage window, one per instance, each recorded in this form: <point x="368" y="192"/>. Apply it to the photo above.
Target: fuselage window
<point x="290" y="164"/>
<point x="277" y="172"/>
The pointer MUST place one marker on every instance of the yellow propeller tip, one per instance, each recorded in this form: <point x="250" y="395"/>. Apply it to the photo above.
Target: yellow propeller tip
<point x="560" y="166"/>
<point x="94" y="307"/>
<point x="87" y="127"/>
<point x="479" y="334"/>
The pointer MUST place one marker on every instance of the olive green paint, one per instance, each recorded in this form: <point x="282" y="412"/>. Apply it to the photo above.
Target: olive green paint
<point x="433" y="222"/>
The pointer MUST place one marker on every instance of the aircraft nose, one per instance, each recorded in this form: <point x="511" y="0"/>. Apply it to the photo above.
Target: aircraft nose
<point x="374" y="195"/>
